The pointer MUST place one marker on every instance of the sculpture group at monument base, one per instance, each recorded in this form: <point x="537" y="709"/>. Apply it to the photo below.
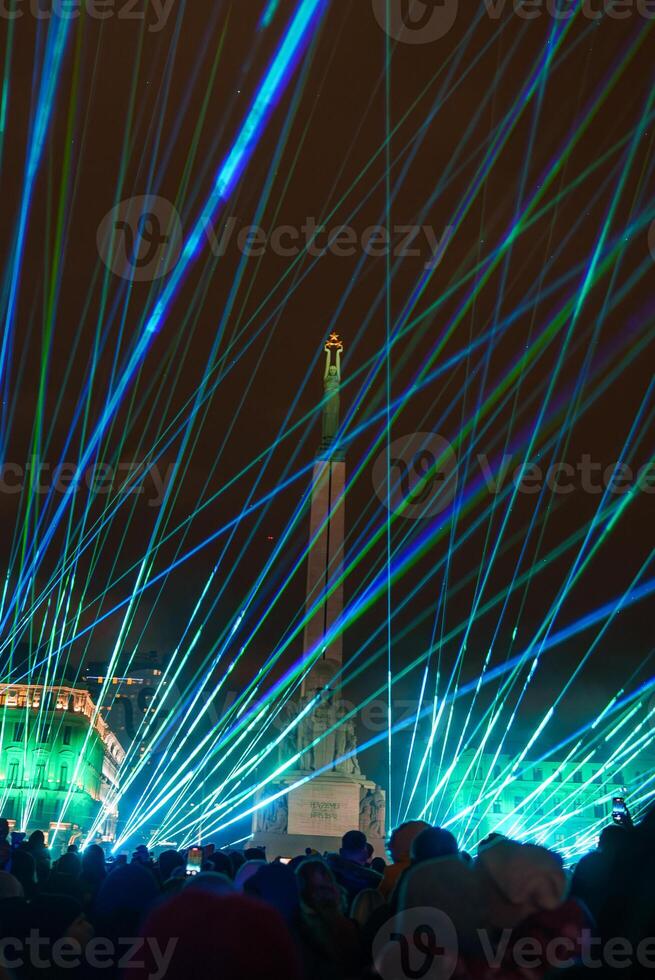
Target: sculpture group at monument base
<point x="318" y="812"/>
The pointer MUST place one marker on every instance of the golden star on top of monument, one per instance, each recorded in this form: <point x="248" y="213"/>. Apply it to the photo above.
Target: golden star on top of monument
<point x="334" y="343"/>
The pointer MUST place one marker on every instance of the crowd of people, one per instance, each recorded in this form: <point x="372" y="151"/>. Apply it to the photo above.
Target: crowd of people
<point x="511" y="911"/>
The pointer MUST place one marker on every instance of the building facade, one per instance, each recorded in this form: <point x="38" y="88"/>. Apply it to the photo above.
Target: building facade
<point x="561" y="804"/>
<point x="129" y="694"/>
<point x="58" y="761"/>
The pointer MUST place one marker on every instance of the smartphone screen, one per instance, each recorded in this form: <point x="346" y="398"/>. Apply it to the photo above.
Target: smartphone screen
<point x="194" y="861"/>
<point x="620" y="812"/>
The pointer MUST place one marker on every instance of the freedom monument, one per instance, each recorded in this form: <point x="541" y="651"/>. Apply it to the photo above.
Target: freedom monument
<point x="330" y="794"/>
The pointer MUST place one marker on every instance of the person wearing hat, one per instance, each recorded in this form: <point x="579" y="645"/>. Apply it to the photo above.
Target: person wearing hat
<point x="507" y="883"/>
<point x="400" y="844"/>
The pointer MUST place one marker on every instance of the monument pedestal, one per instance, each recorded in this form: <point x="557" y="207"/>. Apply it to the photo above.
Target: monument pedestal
<point x="318" y="813"/>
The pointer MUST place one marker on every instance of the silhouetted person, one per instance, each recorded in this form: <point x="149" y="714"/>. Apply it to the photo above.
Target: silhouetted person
<point x="41" y="854"/>
<point x="433" y="842"/>
<point x="349" y="866"/>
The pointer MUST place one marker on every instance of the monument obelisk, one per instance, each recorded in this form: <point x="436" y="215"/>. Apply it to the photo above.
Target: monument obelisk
<point x="338" y="798"/>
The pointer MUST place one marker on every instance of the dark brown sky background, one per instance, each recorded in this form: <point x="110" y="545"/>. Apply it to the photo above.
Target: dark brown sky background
<point x="275" y="332"/>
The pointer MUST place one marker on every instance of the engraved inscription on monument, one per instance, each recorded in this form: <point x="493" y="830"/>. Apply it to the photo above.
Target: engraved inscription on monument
<point x="324" y="808"/>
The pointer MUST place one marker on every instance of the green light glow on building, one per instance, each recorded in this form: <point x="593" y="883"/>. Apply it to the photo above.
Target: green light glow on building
<point x="58" y="761"/>
<point x="559" y="804"/>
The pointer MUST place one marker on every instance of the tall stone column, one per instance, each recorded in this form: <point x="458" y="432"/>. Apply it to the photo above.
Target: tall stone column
<point x="339" y="798"/>
<point x="324" y="593"/>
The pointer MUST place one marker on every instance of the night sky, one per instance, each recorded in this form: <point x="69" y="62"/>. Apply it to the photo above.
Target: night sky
<point x="142" y="111"/>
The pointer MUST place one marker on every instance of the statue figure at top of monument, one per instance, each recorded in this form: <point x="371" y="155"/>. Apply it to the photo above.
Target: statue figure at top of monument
<point x="331" y="385"/>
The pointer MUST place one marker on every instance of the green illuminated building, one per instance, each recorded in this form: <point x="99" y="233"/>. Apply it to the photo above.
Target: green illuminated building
<point x="58" y="760"/>
<point x="561" y="804"/>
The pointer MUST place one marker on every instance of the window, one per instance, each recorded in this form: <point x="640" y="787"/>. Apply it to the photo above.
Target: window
<point x="63" y="774"/>
<point x="618" y="779"/>
<point x="39" y="774"/>
<point x="44" y="735"/>
<point x="497" y="807"/>
<point x="19" y="731"/>
<point x="538" y="775"/>
<point x="14" y="773"/>
<point x="599" y="811"/>
<point x="577" y="777"/>
<point x="68" y="731"/>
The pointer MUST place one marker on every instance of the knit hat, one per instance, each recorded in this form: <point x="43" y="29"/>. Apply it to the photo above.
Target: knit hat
<point x="402" y="837"/>
<point x="525" y="874"/>
<point x="231" y="936"/>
